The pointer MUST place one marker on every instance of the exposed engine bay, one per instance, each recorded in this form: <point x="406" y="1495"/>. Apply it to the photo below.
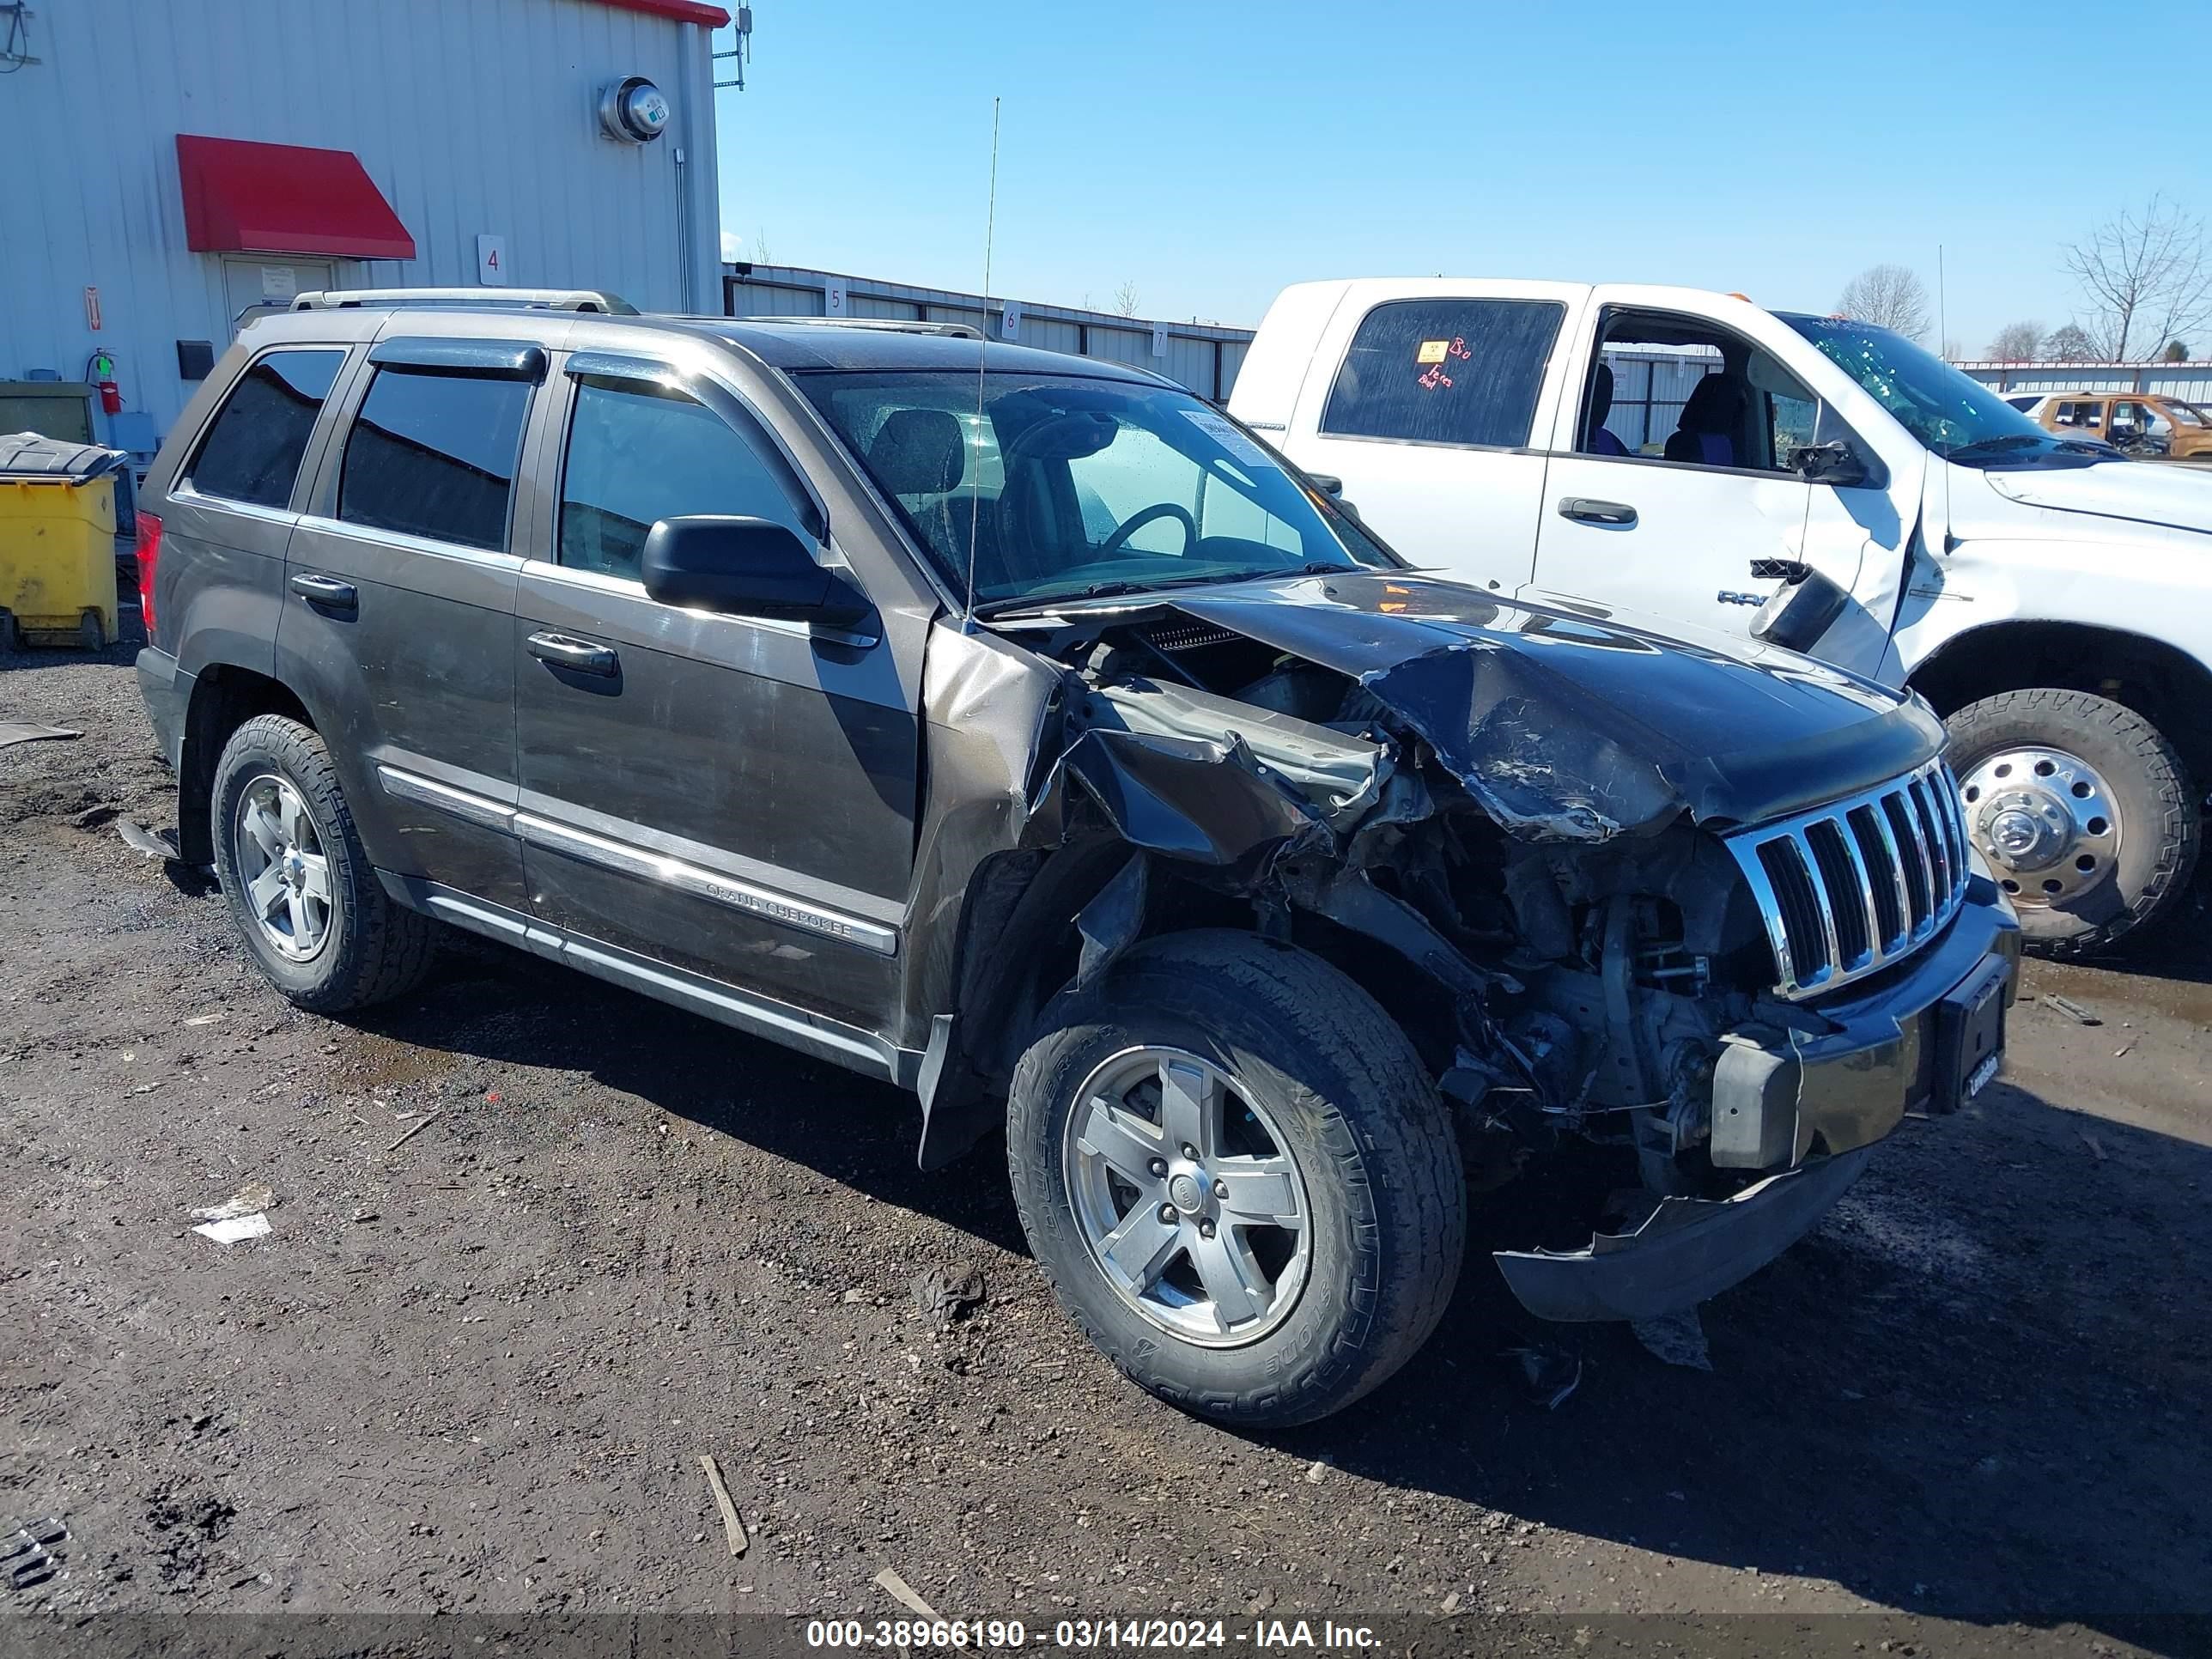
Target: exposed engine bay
<point x="1604" y="882"/>
<point x="1579" y="982"/>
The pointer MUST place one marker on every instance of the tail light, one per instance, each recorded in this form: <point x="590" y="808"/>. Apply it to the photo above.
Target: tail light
<point x="150" y="555"/>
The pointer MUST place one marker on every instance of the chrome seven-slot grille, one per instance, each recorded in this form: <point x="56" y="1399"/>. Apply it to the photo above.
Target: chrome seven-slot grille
<point x="1850" y="887"/>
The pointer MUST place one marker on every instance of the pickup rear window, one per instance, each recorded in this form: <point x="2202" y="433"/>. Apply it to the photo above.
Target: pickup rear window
<point x="1444" y="372"/>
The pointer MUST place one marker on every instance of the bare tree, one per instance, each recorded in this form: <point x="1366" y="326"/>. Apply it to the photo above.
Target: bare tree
<point x="1954" y="351"/>
<point x="2147" y="278"/>
<point x="1889" y="296"/>
<point x="2070" y="343"/>
<point x="761" y="255"/>
<point x="2016" y="343"/>
<point x="1125" y="299"/>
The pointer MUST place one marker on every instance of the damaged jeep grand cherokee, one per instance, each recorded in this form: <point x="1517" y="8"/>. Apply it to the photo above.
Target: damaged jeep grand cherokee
<point x="1019" y="730"/>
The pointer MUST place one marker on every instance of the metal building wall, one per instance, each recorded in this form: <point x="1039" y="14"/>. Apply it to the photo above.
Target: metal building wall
<point x="1203" y="357"/>
<point x="472" y="116"/>
<point x="2191" y="382"/>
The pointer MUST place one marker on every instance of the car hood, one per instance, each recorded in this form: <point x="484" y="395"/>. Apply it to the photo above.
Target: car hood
<point x="2143" y="492"/>
<point x="1568" y="725"/>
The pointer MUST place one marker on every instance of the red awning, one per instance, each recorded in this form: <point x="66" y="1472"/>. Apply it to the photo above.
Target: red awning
<point x="245" y="197"/>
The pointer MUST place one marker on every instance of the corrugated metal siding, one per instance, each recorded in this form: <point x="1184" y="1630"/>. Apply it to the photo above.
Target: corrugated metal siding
<point x="1193" y="348"/>
<point x="471" y="115"/>
<point x="2191" y="382"/>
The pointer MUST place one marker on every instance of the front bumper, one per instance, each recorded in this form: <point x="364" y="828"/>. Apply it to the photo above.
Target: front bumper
<point x="168" y="691"/>
<point x="1891" y="1049"/>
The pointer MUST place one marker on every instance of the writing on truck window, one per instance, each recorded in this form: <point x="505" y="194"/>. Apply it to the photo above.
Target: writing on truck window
<point x="1444" y="372"/>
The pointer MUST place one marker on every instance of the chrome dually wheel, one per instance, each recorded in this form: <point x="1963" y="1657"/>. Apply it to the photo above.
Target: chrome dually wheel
<point x="281" y="864"/>
<point x="2045" y="820"/>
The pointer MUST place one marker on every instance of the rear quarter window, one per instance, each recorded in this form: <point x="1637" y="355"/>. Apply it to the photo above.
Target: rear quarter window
<point x="253" y="447"/>
<point x="433" y="454"/>
<point x="1444" y="372"/>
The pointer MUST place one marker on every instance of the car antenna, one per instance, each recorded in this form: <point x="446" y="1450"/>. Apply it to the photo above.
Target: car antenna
<point x="1942" y="333"/>
<point x="975" y="474"/>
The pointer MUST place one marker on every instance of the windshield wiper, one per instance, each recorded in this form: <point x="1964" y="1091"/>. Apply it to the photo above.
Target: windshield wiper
<point x="1997" y="446"/>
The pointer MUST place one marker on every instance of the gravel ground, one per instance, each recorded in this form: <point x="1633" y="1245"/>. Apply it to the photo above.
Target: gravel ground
<point x="473" y="1368"/>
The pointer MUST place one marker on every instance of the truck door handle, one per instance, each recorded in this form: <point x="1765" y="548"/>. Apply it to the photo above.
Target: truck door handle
<point x="1584" y="510"/>
<point x="585" y="656"/>
<point x="328" y="592"/>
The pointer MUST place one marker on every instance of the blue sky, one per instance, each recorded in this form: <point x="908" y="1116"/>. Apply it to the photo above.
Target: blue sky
<point x="1209" y="153"/>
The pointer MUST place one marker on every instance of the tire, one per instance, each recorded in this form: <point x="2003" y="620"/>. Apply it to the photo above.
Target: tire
<point x="1336" y="1086"/>
<point x="2140" y="869"/>
<point x="356" y="948"/>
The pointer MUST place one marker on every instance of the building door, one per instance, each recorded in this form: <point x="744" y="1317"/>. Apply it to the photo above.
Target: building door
<point x="269" y="284"/>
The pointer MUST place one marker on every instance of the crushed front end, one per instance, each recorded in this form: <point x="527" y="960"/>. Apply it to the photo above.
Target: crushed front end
<point x="1727" y="937"/>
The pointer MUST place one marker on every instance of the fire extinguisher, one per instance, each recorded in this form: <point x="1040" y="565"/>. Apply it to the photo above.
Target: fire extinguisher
<point x="103" y="376"/>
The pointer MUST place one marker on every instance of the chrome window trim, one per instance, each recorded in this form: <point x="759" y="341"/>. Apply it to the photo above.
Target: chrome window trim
<point x="1929" y="798"/>
<point x="495" y="558"/>
<point x="185" y="490"/>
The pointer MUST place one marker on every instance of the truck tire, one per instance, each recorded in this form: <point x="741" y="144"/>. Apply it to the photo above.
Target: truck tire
<point x="2083" y="810"/>
<point x="314" y="918"/>
<point x="1237" y="1177"/>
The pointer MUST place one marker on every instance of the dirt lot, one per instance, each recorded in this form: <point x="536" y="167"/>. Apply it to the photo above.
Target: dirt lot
<point x="475" y="1370"/>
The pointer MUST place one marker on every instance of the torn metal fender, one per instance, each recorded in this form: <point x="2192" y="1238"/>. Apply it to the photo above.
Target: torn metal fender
<point x="1203" y="802"/>
<point x="992" y="724"/>
<point x="1687" y="1249"/>
<point x="1114" y="921"/>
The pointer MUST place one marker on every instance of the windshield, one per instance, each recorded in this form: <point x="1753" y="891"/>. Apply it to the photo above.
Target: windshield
<point x="1068" y="487"/>
<point x="1956" y="416"/>
<point x="2187" y="414"/>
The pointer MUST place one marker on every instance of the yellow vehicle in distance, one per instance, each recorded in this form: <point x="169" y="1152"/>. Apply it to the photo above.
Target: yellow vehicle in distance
<point x="2140" y="422"/>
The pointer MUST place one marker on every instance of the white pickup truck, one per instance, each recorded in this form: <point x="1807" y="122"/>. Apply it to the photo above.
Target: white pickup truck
<point x="1681" y="454"/>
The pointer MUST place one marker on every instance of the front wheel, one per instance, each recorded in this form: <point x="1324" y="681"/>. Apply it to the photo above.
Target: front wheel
<point x="2083" y="810"/>
<point x="1238" y="1177"/>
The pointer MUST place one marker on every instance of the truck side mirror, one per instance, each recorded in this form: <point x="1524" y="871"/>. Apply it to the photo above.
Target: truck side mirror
<point x="1805" y="607"/>
<point x="1831" y="462"/>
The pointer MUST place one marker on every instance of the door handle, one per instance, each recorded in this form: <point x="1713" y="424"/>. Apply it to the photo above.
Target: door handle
<point x="1584" y="510"/>
<point x="326" y="591"/>
<point x="585" y="656"/>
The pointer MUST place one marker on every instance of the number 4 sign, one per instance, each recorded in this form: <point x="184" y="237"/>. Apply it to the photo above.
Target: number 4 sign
<point x="491" y="260"/>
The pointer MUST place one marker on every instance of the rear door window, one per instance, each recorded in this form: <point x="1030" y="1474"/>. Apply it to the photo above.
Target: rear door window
<point x="639" y="453"/>
<point x="252" y="449"/>
<point x="1444" y="372"/>
<point x="433" y="454"/>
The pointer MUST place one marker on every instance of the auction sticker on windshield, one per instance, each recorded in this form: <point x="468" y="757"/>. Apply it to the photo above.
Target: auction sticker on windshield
<point x="1220" y="429"/>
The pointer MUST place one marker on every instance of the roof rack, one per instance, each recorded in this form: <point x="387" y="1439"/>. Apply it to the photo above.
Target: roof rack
<point x="887" y="324"/>
<point x="525" y="299"/>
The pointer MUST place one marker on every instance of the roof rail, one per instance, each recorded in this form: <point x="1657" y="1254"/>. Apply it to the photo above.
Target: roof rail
<point x="888" y="325"/>
<point x="525" y="299"/>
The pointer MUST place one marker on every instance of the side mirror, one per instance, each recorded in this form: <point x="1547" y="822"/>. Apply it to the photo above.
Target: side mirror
<point x="1333" y="488"/>
<point x="744" y="567"/>
<point x="1831" y="462"/>
<point x="1797" y="614"/>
